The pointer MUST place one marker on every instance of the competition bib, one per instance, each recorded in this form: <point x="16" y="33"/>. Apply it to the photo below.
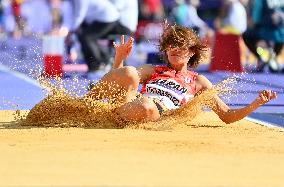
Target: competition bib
<point x="171" y="89"/>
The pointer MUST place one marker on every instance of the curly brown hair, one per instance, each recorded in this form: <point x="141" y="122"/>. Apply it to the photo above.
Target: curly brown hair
<point x="182" y="37"/>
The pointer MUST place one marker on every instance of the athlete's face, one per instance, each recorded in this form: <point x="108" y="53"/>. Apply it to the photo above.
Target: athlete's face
<point x="179" y="56"/>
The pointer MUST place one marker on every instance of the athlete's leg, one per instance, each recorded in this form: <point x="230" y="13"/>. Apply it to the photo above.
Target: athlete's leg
<point x="126" y="78"/>
<point x="140" y="110"/>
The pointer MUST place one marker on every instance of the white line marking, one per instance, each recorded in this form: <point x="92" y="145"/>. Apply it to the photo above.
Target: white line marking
<point x="20" y="75"/>
<point x="260" y="122"/>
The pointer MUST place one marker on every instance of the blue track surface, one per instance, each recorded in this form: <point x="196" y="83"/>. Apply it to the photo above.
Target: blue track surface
<point x="248" y="87"/>
<point x="18" y="92"/>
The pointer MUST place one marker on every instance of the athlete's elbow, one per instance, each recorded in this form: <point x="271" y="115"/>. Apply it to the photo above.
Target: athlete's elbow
<point x="227" y="119"/>
<point x="228" y="116"/>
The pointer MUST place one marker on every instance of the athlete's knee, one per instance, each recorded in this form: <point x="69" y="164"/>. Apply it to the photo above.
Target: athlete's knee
<point x="130" y="71"/>
<point x="126" y="73"/>
<point x="130" y="75"/>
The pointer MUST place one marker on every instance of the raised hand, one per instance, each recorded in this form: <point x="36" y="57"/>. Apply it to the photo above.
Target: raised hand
<point x="266" y="96"/>
<point x="123" y="50"/>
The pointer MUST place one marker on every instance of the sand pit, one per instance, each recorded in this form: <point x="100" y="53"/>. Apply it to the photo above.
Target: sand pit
<point x="205" y="153"/>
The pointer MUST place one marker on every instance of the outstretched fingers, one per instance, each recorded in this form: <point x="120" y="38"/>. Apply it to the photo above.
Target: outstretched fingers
<point x="114" y="45"/>
<point x="122" y="40"/>
<point x="267" y="95"/>
<point x="130" y="41"/>
<point x="272" y="95"/>
<point x="128" y="44"/>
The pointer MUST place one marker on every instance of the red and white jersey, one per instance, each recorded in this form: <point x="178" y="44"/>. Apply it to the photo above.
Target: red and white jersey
<point x="173" y="88"/>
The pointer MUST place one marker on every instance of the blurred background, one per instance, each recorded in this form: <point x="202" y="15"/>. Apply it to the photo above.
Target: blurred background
<point x="86" y="26"/>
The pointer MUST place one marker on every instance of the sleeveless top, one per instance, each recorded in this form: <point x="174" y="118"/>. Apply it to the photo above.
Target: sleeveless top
<point x="171" y="87"/>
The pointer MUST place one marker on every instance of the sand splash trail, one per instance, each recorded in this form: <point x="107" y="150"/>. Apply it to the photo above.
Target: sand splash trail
<point x="66" y="109"/>
<point x="62" y="108"/>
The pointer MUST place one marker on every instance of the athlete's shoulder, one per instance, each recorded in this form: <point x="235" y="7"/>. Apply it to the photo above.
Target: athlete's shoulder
<point x="145" y="72"/>
<point x="191" y="72"/>
<point x="202" y="83"/>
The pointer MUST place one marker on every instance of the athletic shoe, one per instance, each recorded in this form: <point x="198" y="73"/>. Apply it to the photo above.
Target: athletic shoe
<point x="273" y="65"/>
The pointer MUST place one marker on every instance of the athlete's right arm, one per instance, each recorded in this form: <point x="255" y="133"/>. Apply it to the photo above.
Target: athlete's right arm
<point x="122" y="51"/>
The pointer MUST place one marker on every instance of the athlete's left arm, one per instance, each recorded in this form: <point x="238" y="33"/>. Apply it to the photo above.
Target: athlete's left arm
<point x="224" y="112"/>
